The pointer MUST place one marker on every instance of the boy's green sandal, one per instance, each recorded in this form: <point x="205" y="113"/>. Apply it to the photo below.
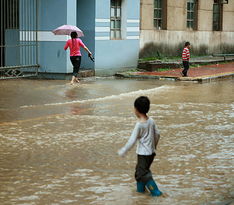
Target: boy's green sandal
<point x="140" y="187"/>
<point x="153" y="188"/>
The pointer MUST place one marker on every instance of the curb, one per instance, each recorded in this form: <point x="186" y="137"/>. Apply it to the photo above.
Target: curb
<point x="200" y="79"/>
<point x="208" y="78"/>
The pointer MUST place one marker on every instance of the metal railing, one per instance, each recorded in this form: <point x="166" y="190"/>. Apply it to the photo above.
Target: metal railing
<point x="18" y="38"/>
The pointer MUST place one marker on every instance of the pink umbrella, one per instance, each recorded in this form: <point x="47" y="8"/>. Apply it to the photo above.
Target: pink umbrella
<point x="67" y="29"/>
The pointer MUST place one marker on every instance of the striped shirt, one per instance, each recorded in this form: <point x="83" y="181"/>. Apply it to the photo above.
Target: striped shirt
<point x="186" y="54"/>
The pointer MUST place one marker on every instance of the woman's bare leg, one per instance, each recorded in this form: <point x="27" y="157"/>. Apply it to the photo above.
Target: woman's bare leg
<point x="73" y="80"/>
<point x="77" y="80"/>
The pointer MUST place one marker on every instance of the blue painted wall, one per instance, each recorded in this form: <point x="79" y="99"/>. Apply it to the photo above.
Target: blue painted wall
<point x="93" y="17"/>
<point x="117" y="54"/>
<point x="12" y="53"/>
<point x="133" y="9"/>
<point x="102" y="9"/>
<point x="52" y="57"/>
<point x="52" y="14"/>
<point x="86" y="22"/>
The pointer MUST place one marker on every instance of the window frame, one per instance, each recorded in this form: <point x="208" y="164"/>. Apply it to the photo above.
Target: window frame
<point x="192" y="14"/>
<point x="217" y="23"/>
<point x="162" y="18"/>
<point x="114" y="19"/>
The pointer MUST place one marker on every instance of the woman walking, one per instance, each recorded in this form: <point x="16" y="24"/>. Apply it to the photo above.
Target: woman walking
<point x="74" y="45"/>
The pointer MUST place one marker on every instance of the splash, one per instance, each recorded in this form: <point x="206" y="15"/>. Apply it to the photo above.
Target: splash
<point x="106" y="98"/>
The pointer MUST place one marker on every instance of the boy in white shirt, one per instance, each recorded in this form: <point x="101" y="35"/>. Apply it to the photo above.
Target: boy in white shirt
<point x="147" y="135"/>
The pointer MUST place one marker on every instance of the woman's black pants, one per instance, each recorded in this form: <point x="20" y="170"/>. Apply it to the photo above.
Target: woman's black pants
<point x="75" y="60"/>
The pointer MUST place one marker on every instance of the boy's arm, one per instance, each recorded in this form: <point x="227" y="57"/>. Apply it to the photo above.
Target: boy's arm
<point x="132" y="140"/>
<point x="156" y="136"/>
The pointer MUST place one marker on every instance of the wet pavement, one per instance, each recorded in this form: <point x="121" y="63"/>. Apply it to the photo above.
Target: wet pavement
<point x="58" y="142"/>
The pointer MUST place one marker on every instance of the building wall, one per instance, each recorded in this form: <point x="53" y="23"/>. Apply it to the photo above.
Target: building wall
<point x="52" y="14"/>
<point x="228" y="17"/>
<point x="176" y="15"/>
<point x="12" y="53"/>
<point x="93" y="18"/>
<point x="87" y="24"/>
<point x="114" y="55"/>
<point x="170" y="41"/>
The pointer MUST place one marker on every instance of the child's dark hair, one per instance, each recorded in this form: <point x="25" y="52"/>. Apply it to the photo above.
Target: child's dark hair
<point x="73" y="34"/>
<point x="142" y="104"/>
<point x="187" y="43"/>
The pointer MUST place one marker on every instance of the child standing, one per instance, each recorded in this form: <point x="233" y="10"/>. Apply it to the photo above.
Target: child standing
<point x="147" y="135"/>
<point x="185" y="59"/>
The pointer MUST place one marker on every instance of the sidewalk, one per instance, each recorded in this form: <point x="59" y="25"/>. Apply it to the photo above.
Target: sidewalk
<point x="200" y="74"/>
<point x="155" y="65"/>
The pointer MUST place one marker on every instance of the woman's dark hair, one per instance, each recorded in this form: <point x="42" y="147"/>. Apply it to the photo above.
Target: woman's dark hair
<point x="142" y="104"/>
<point x="73" y="34"/>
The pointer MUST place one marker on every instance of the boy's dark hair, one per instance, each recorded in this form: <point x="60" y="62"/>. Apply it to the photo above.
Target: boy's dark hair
<point x="73" y="34"/>
<point x="187" y="43"/>
<point x="142" y="104"/>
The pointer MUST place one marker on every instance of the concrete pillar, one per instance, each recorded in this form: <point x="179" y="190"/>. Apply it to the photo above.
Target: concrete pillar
<point x="71" y="20"/>
<point x="52" y="14"/>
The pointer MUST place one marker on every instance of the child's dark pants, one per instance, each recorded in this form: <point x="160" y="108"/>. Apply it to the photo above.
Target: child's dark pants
<point x="186" y="68"/>
<point x="144" y="176"/>
<point x="143" y="173"/>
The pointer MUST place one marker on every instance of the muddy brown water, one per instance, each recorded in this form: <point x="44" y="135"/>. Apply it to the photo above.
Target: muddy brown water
<point x="58" y="142"/>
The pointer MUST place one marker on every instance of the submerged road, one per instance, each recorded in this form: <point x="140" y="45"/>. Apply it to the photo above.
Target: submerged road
<point x="58" y="142"/>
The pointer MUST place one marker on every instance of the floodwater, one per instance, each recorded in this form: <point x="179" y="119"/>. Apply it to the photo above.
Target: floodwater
<point x="58" y="142"/>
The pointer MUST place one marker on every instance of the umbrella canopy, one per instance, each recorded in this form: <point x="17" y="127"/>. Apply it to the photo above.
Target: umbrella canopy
<point x="67" y="29"/>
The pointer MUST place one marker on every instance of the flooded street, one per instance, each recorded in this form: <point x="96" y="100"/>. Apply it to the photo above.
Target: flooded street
<point x="58" y="143"/>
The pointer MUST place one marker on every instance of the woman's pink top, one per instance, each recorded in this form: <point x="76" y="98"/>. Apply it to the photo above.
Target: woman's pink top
<point x="74" y="46"/>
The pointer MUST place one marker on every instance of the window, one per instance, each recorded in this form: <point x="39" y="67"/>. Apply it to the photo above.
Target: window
<point x="190" y="13"/>
<point x="192" y="9"/>
<point x="217" y="16"/>
<point x="160" y="14"/>
<point x="115" y="19"/>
